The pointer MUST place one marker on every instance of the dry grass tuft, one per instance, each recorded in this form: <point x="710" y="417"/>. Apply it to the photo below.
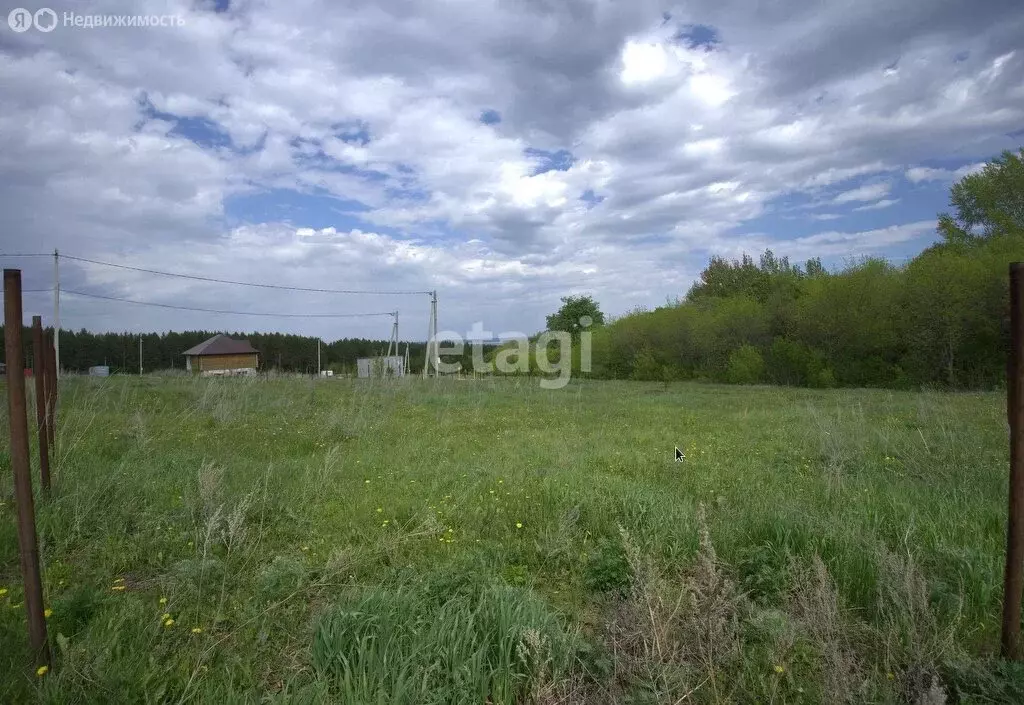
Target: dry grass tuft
<point x="911" y="633"/>
<point x="677" y="636"/>
<point x="815" y="607"/>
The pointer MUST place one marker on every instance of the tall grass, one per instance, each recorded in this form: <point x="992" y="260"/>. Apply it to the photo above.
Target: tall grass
<point x="488" y="541"/>
<point x="408" y="644"/>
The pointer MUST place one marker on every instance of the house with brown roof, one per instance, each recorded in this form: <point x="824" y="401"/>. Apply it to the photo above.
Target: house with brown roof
<point x="221" y="355"/>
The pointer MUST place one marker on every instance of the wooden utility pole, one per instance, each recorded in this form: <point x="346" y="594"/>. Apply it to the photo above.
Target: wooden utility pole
<point x="28" y="546"/>
<point x="1013" y="583"/>
<point x="41" y="374"/>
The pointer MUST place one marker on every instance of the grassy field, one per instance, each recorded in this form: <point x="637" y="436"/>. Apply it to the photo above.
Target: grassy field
<point x="470" y="542"/>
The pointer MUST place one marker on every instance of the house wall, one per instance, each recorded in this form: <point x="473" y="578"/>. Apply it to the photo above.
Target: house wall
<point x="205" y="363"/>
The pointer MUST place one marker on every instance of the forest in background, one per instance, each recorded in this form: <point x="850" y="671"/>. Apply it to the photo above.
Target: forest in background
<point x="941" y="319"/>
<point x="80" y="350"/>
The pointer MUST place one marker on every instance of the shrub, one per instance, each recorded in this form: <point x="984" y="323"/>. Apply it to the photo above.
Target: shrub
<point x="746" y="366"/>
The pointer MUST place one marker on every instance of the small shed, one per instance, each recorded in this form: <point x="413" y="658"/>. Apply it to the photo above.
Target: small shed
<point x="221" y="355"/>
<point x="393" y="366"/>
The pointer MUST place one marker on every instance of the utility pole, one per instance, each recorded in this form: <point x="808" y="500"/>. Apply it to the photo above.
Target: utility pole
<point x="433" y="316"/>
<point x="318" y="357"/>
<point x="431" y="332"/>
<point x="140" y="355"/>
<point x="56" y="309"/>
<point x="394" y="335"/>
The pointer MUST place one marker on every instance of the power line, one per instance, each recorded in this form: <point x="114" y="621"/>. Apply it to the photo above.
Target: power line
<point x="196" y="277"/>
<point x="233" y="313"/>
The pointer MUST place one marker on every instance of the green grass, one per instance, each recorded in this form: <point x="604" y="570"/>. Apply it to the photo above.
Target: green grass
<point x="461" y="541"/>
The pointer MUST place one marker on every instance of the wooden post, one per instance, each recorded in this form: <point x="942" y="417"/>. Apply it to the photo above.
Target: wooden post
<point x="28" y="547"/>
<point x="51" y="391"/>
<point x="41" y="373"/>
<point x="1014" y="577"/>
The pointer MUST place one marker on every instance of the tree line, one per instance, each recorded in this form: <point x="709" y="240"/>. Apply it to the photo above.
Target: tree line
<point x="80" y="350"/>
<point x="940" y="319"/>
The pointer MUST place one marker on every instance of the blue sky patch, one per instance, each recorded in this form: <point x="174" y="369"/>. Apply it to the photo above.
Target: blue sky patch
<point x="316" y="209"/>
<point x="204" y="132"/>
<point x="699" y="35"/>
<point x="558" y="160"/>
<point x="353" y="132"/>
<point x="490" y="117"/>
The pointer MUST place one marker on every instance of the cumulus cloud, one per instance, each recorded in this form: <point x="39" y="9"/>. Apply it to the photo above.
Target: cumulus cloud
<point x="878" y="205"/>
<point x="868" y="192"/>
<point x="923" y="173"/>
<point x="503" y="153"/>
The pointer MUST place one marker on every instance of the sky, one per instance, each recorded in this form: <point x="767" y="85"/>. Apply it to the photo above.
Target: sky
<point x="504" y="153"/>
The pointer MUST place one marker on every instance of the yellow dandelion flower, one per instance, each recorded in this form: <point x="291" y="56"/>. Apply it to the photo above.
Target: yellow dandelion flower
<point x="47" y="613"/>
<point x="305" y="548"/>
<point x="386" y="522"/>
<point x="197" y="630"/>
<point x="380" y="509"/>
<point x="780" y="669"/>
<point x="3" y="591"/>
<point x="168" y="622"/>
<point x="519" y="524"/>
<point x="42" y="671"/>
<point x="165" y="615"/>
<point x="117" y="587"/>
<point x="118" y="580"/>
<point x="163" y="600"/>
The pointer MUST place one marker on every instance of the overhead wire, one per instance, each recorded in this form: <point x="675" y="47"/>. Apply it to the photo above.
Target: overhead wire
<point x="195" y="277"/>
<point x="223" y="311"/>
<point x="216" y="280"/>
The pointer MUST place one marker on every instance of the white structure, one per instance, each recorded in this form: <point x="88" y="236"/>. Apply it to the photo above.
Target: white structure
<point x="386" y="366"/>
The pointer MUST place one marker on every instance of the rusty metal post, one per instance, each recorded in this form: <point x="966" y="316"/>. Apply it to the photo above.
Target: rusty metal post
<point x="1013" y="583"/>
<point x="40" y="373"/>
<point x="28" y="546"/>
<point x="51" y="391"/>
